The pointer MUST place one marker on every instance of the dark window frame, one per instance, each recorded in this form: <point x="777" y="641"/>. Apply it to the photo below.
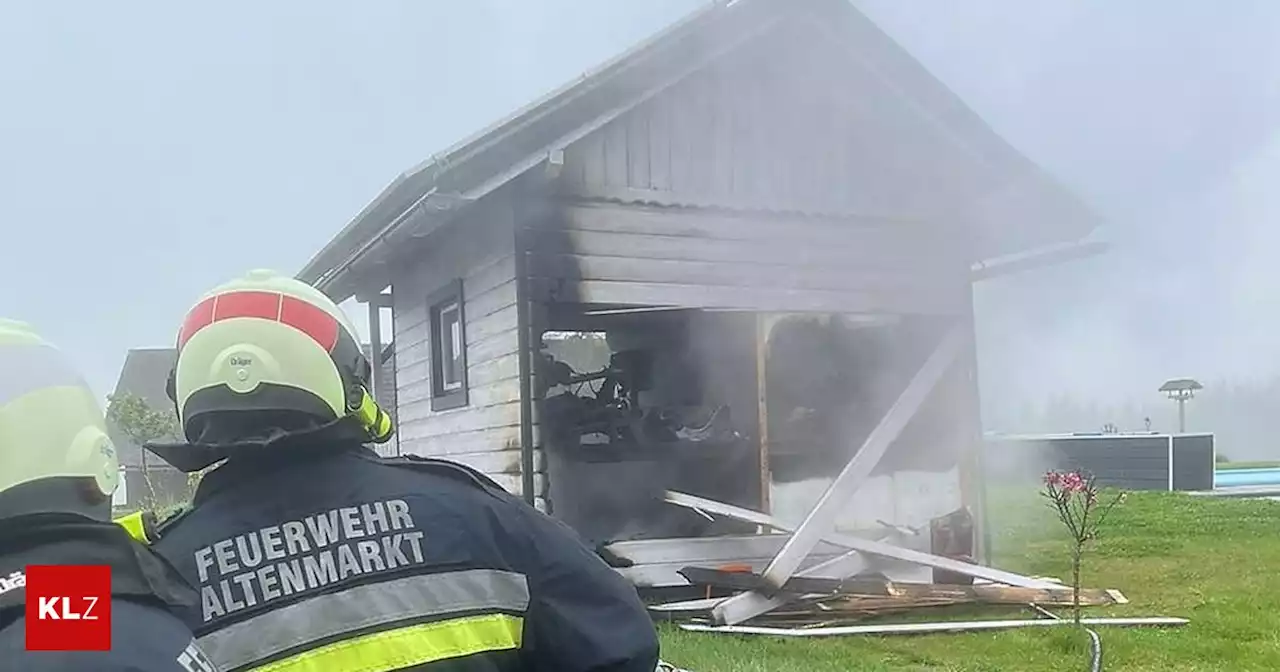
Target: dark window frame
<point x="446" y="397"/>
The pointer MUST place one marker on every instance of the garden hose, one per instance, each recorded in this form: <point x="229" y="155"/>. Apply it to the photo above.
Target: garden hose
<point x="1096" y="655"/>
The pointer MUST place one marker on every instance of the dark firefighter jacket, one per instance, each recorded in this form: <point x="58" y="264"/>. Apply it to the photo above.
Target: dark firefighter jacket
<point x="145" y="636"/>
<point x="349" y="561"/>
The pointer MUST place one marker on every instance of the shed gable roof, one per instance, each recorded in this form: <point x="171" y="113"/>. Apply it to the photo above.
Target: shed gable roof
<point x="1027" y="206"/>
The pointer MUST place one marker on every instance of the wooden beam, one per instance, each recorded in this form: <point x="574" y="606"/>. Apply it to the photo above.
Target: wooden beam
<point x="375" y="348"/>
<point x="768" y="228"/>
<point x="858" y="249"/>
<point x="822" y="518"/>
<point x="790" y="272"/>
<point x="758" y="299"/>
<point x="763" y="325"/>
<point x="716" y="578"/>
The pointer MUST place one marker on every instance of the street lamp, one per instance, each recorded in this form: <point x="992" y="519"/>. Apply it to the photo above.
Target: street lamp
<point x="1181" y="390"/>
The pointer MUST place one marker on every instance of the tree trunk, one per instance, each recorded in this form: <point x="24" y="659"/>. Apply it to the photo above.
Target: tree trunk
<point x="1075" y="584"/>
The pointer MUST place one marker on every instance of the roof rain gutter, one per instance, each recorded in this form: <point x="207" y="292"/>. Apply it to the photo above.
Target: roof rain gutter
<point x="432" y="202"/>
<point x="1036" y="259"/>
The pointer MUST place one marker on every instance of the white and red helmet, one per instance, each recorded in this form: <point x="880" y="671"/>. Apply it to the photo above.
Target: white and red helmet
<point x="268" y="342"/>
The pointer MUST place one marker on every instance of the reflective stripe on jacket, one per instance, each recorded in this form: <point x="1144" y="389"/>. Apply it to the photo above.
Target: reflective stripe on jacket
<point x="427" y="619"/>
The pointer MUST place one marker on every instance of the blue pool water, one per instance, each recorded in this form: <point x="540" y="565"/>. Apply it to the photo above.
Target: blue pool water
<point x="1231" y="478"/>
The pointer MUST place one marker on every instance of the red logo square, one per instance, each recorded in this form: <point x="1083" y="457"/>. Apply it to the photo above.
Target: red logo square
<point x="68" y="608"/>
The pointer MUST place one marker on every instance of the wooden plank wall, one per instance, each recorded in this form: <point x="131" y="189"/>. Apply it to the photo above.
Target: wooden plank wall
<point x="629" y="255"/>
<point x="484" y="434"/>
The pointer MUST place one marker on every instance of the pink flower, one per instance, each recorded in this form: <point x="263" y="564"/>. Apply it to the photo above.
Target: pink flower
<point x="1052" y="478"/>
<point x="1072" y="482"/>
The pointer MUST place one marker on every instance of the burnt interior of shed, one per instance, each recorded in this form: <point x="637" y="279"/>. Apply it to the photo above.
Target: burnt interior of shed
<point x="634" y="401"/>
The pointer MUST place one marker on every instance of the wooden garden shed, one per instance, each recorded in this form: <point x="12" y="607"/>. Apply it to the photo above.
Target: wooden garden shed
<point x="734" y="262"/>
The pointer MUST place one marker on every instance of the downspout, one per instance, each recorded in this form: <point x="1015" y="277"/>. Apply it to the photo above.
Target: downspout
<point x="524" y="343"/>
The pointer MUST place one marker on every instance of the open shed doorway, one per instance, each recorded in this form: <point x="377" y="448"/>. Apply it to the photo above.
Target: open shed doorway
<point x="633" y="405"/>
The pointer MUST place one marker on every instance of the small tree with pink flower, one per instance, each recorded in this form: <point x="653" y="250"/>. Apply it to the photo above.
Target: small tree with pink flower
<point x="1075" y="497"/>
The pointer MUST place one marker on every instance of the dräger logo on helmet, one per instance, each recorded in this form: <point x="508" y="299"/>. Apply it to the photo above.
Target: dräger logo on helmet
<point x="14" y="581"/>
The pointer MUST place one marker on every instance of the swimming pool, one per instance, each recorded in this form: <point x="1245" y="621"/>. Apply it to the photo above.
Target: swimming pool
<point x="1231" y="478"/>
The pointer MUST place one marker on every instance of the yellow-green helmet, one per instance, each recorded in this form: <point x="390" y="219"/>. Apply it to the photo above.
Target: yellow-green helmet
<point x="269" y="343"/>
<point x="51" y="425"/>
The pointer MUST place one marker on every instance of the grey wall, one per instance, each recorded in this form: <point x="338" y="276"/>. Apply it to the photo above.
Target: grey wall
<point x="1129" y="462"/>
<point x="1193" y="462"/>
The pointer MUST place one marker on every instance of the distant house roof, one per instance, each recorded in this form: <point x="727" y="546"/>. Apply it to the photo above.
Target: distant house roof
<point x="442" y="187"/>
<point x="145" y="374"/>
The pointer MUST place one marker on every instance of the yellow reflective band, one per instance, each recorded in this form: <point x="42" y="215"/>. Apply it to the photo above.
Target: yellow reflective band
<point x="136" y="525"/>
<point x="406" y="647"/>
<point x="374" y="419"/>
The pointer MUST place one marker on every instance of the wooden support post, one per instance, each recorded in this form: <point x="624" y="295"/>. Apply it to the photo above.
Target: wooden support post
<point x="375" y="346"/>
<point x="972" y="468"/>
<point x="763" y="324"/>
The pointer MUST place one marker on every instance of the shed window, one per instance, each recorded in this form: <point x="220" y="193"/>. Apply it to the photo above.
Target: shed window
<point x="448" y="349"/>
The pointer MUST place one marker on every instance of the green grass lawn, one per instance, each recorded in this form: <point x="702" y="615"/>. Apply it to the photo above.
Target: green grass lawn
<point x="1213" y="561"/>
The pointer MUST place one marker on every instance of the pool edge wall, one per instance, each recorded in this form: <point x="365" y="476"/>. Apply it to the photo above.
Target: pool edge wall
<point x="1169" y="462"/>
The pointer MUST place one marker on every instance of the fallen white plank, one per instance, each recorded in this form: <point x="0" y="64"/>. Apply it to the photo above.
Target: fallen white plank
<point x="926" y="628"/>
<point x="864" y="545"/>
<point x="701" y="604"/>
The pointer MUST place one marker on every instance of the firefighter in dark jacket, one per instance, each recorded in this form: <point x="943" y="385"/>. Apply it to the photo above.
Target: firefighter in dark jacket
<point x="313" y="553"/>
<point x="58" y="471"/>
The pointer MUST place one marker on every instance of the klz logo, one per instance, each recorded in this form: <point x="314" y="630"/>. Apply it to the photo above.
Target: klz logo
<point x="68" y="608"/>
<point x="59" y="609"/>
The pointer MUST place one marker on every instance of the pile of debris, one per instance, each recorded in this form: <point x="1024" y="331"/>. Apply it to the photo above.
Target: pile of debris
<point x="811" y="603"/>
<point x="818" y="606"/>
<point x="797" y="592"/>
